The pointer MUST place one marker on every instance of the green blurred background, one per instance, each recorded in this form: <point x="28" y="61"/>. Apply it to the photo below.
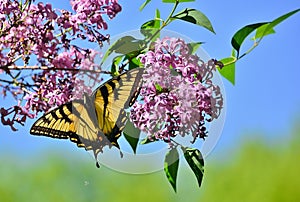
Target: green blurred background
<point x="255" y="171"/>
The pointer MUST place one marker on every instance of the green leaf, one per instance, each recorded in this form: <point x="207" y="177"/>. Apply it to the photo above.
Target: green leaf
<point x="262" y="31"/>
<point x="171" y="166"/>
<point x="173" y="1"/>
<point x="149" y="28"/>
<point x="124" y="45"/>
<point x="242" y="34"/>
<point x="115" y="64"/>
<point x="194" y="46"/>
<point x="194" y="16"/>
<point x="134" y="63"/>
<point x="196" y="162"/>
<point x="147" y="25"/>
<point x="132" y="60"/>
<point x="157" y="14"/>
<point x="280" y="19"/>
<point x="268" y="29"/>
<point x="132" y="135"/>
<point x="158" y="87"/>
<point x="228" y="71"/>
<point x="144" y="4"/>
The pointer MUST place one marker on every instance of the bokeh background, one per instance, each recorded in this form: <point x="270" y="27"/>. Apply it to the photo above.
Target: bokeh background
<point x="256" y="158"/>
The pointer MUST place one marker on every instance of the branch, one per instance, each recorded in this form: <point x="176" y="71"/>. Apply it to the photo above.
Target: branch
<point x="53" y="69"/>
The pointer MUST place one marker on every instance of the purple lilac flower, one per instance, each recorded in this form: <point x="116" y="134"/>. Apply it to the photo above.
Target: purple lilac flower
<point x="178" y="96"/>
<point x="49" y="34"/>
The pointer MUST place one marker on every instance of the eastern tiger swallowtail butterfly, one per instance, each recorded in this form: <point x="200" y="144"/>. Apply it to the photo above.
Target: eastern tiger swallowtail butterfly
<point x="96" y="120"/>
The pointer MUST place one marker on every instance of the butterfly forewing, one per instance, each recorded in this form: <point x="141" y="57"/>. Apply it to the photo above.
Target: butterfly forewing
<point x="67" y="121"/>
<point x="54" y="123"/>
<point x="112" y="98"/>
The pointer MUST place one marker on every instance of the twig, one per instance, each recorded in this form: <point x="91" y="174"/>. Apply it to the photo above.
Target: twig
<point x="54" y="69"/>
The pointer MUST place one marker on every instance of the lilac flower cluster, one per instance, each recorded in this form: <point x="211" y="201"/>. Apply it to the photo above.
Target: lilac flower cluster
<point x="178" y="96"/>
<point x="91" y="11"/>
<point x="37" y="32"/>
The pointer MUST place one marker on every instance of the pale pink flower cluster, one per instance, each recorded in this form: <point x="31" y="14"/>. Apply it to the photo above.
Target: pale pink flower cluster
<point x="178" y="96"/>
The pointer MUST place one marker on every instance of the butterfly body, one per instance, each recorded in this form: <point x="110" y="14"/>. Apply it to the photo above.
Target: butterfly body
<point x="96" y="120"/>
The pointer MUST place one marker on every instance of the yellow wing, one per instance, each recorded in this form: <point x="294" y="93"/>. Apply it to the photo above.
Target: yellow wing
<point x="112" y="98"/>
<point x="73" y="121"/>
<point x="95" y="121"/>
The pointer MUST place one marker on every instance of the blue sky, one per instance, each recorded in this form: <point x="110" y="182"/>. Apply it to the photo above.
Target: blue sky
<point x="266" y="96"/>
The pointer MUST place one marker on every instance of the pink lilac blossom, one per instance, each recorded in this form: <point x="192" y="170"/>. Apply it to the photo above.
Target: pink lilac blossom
<point x="91" y="11"/>
<point x="178" y="96"/>
<point x="37" y="33"/>
<point x="60" y="86"/>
